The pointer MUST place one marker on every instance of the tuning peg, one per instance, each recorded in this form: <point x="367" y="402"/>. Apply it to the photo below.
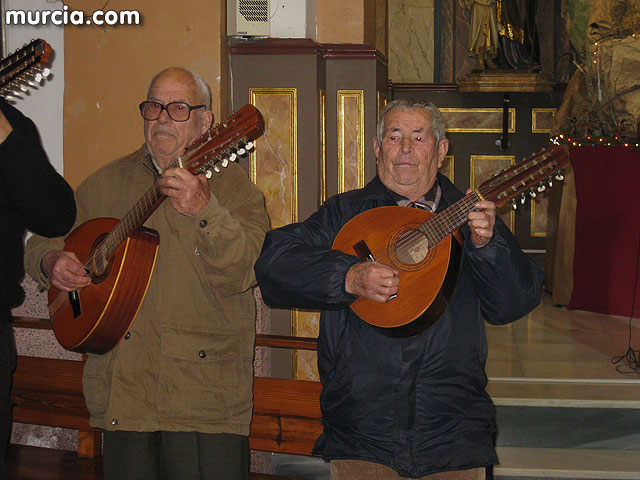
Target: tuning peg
<point x="550" y="182"/>
<point x="523" y="198"/>
<point x="233" y="157"/>
<point x="46" y="72"/>
<point x="241" y="151"/>
<point x="532" y="193"/>
<point x="514" y="204"/>
<point x="249" y="146"/>
<point x="216" y="168"/>
<point x="208" y="174"/>
<point x="559" y="176"/>
<point x="225" y="162"/>
<point x="37" y="77"/>
<point x="541" y="188"/>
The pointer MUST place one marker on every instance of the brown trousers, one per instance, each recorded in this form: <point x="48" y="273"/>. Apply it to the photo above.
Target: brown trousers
<point x="361" y="470"/>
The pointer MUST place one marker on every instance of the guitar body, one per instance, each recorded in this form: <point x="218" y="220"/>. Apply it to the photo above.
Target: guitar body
<point x="104" y="310"/>
<point x="119" y="255"/>
<point x="422" y="267"/>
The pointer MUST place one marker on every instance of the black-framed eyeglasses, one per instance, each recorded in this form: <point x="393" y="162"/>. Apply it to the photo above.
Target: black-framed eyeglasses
<point x="178" y="111"/>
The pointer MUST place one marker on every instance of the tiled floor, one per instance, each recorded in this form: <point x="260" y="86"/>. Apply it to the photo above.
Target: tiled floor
<point x="560" y="357"/>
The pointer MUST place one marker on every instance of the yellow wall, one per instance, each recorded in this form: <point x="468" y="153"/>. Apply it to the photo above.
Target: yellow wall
<point x="352" y="21"/>
<point x="340" y="21"/>
<point x="107" y="71"/>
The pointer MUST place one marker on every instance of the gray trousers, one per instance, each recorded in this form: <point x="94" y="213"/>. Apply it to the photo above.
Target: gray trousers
<point x="175" y="456"/>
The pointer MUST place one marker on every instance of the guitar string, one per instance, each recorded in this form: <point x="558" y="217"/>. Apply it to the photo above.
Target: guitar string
<point x="140" y="209"/>
<point x="135" y="215"/>
<point x="443" y="224"/>
<point x="438" y="226"/>
<point x="434" y="229"/>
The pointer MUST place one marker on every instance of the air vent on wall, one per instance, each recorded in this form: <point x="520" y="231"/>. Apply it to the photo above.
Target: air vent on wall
<point x="248" y="18"/>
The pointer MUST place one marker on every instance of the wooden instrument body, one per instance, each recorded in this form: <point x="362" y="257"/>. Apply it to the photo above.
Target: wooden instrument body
<point x="382" y="229"/>
<point x="423" y="239"/>
<point x="109" y="304"/>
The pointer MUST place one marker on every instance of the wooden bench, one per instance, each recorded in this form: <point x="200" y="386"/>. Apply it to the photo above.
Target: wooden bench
<point x="286" y="415"/>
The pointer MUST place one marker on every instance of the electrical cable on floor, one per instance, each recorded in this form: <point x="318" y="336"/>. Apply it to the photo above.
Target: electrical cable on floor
<point x="631" y="357"/>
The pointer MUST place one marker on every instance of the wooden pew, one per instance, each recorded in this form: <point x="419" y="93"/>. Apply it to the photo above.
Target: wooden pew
<point x="286" y="416"/>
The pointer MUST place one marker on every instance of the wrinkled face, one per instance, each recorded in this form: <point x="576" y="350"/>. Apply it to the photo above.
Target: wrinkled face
<point x="408" y="158"/>
<point x="166" y="138"/>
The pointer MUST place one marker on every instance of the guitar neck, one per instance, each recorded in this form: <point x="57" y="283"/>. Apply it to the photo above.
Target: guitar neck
<point x="221" y="144"/>
<point x="132" y="220"/>
<point x="527" y="176"/>
<point x="449" y="220"/>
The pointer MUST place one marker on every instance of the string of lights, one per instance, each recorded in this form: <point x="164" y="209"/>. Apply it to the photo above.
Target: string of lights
<point x="592" y="141"/>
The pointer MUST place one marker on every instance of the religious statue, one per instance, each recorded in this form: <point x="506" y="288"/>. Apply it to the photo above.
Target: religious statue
<point x="518" y="38"/>
<point x="503" y="33"/>
<point x="483" y="34"/>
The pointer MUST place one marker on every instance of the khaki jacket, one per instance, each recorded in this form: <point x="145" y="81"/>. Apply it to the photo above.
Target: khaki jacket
<point x="186" y="364"/>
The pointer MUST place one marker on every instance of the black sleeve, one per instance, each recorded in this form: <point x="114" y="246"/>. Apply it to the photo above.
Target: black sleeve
<point x="298" y="267"/>
<point x="508" y="282"/>
<point x="41" y="196"/>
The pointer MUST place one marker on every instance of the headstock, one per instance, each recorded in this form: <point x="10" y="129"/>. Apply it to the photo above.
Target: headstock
<point x="531" y="176"/>
<point x="25" y="67"/>
<point x="224" y="142"/>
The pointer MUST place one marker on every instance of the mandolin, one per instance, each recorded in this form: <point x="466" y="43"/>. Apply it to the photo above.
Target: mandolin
<point x="24" y="67"/>
<point x="120" y="255"/>
<point x="417" y="243"/>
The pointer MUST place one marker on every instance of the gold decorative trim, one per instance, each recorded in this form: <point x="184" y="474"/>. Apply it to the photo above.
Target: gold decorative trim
<point x="533" y="221"/>
<point x="292" y="93"/>
<point x="534" y="119"/>
<point x="449" y="160"/>
<point x="322" y="110"/>
<point x="472" y="180"/>
<point x="359" y="96"/>
<point x="296" y="327"/>
<point x="512" y="120"/>
<point x="381" y="103"/>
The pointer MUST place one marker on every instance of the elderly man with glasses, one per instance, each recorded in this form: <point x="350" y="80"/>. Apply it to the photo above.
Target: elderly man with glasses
<point x="175" y="395"/>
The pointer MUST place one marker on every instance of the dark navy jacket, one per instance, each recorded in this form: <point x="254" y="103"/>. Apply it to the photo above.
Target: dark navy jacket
<point x="416" y="404"/>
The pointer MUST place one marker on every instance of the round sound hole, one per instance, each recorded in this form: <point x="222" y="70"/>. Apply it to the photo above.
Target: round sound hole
<point x="100" y="266"/>
<point x="409" y="248"/>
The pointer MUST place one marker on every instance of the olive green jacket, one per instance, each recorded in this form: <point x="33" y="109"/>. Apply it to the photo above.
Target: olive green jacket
<point x="186" y="363"/>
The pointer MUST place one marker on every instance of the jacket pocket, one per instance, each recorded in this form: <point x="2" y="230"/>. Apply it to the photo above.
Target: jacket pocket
<point x="200" y="372"/>
<point x="96" y="385"/>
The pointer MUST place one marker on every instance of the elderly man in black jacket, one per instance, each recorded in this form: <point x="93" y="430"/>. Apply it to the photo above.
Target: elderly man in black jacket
<point x="406" y="402"/>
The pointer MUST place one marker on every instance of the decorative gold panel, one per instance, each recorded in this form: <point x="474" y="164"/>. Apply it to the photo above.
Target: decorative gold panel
<point x="539" y="211"/>
<point x="485" y="166"/>
<point x="447" y="167"/>
<point x="381" y="103"/>
<point x="350" y="140"/>
<point x="477" y="120"/>
<point x="273" y="165"/>
<point x="305" y="323"/>
<point x="542" y="120"/>
<point x="322" y="134"/>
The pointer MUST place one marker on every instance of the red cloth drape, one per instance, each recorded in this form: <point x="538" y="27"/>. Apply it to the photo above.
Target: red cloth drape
<point x="607" y="243"/>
